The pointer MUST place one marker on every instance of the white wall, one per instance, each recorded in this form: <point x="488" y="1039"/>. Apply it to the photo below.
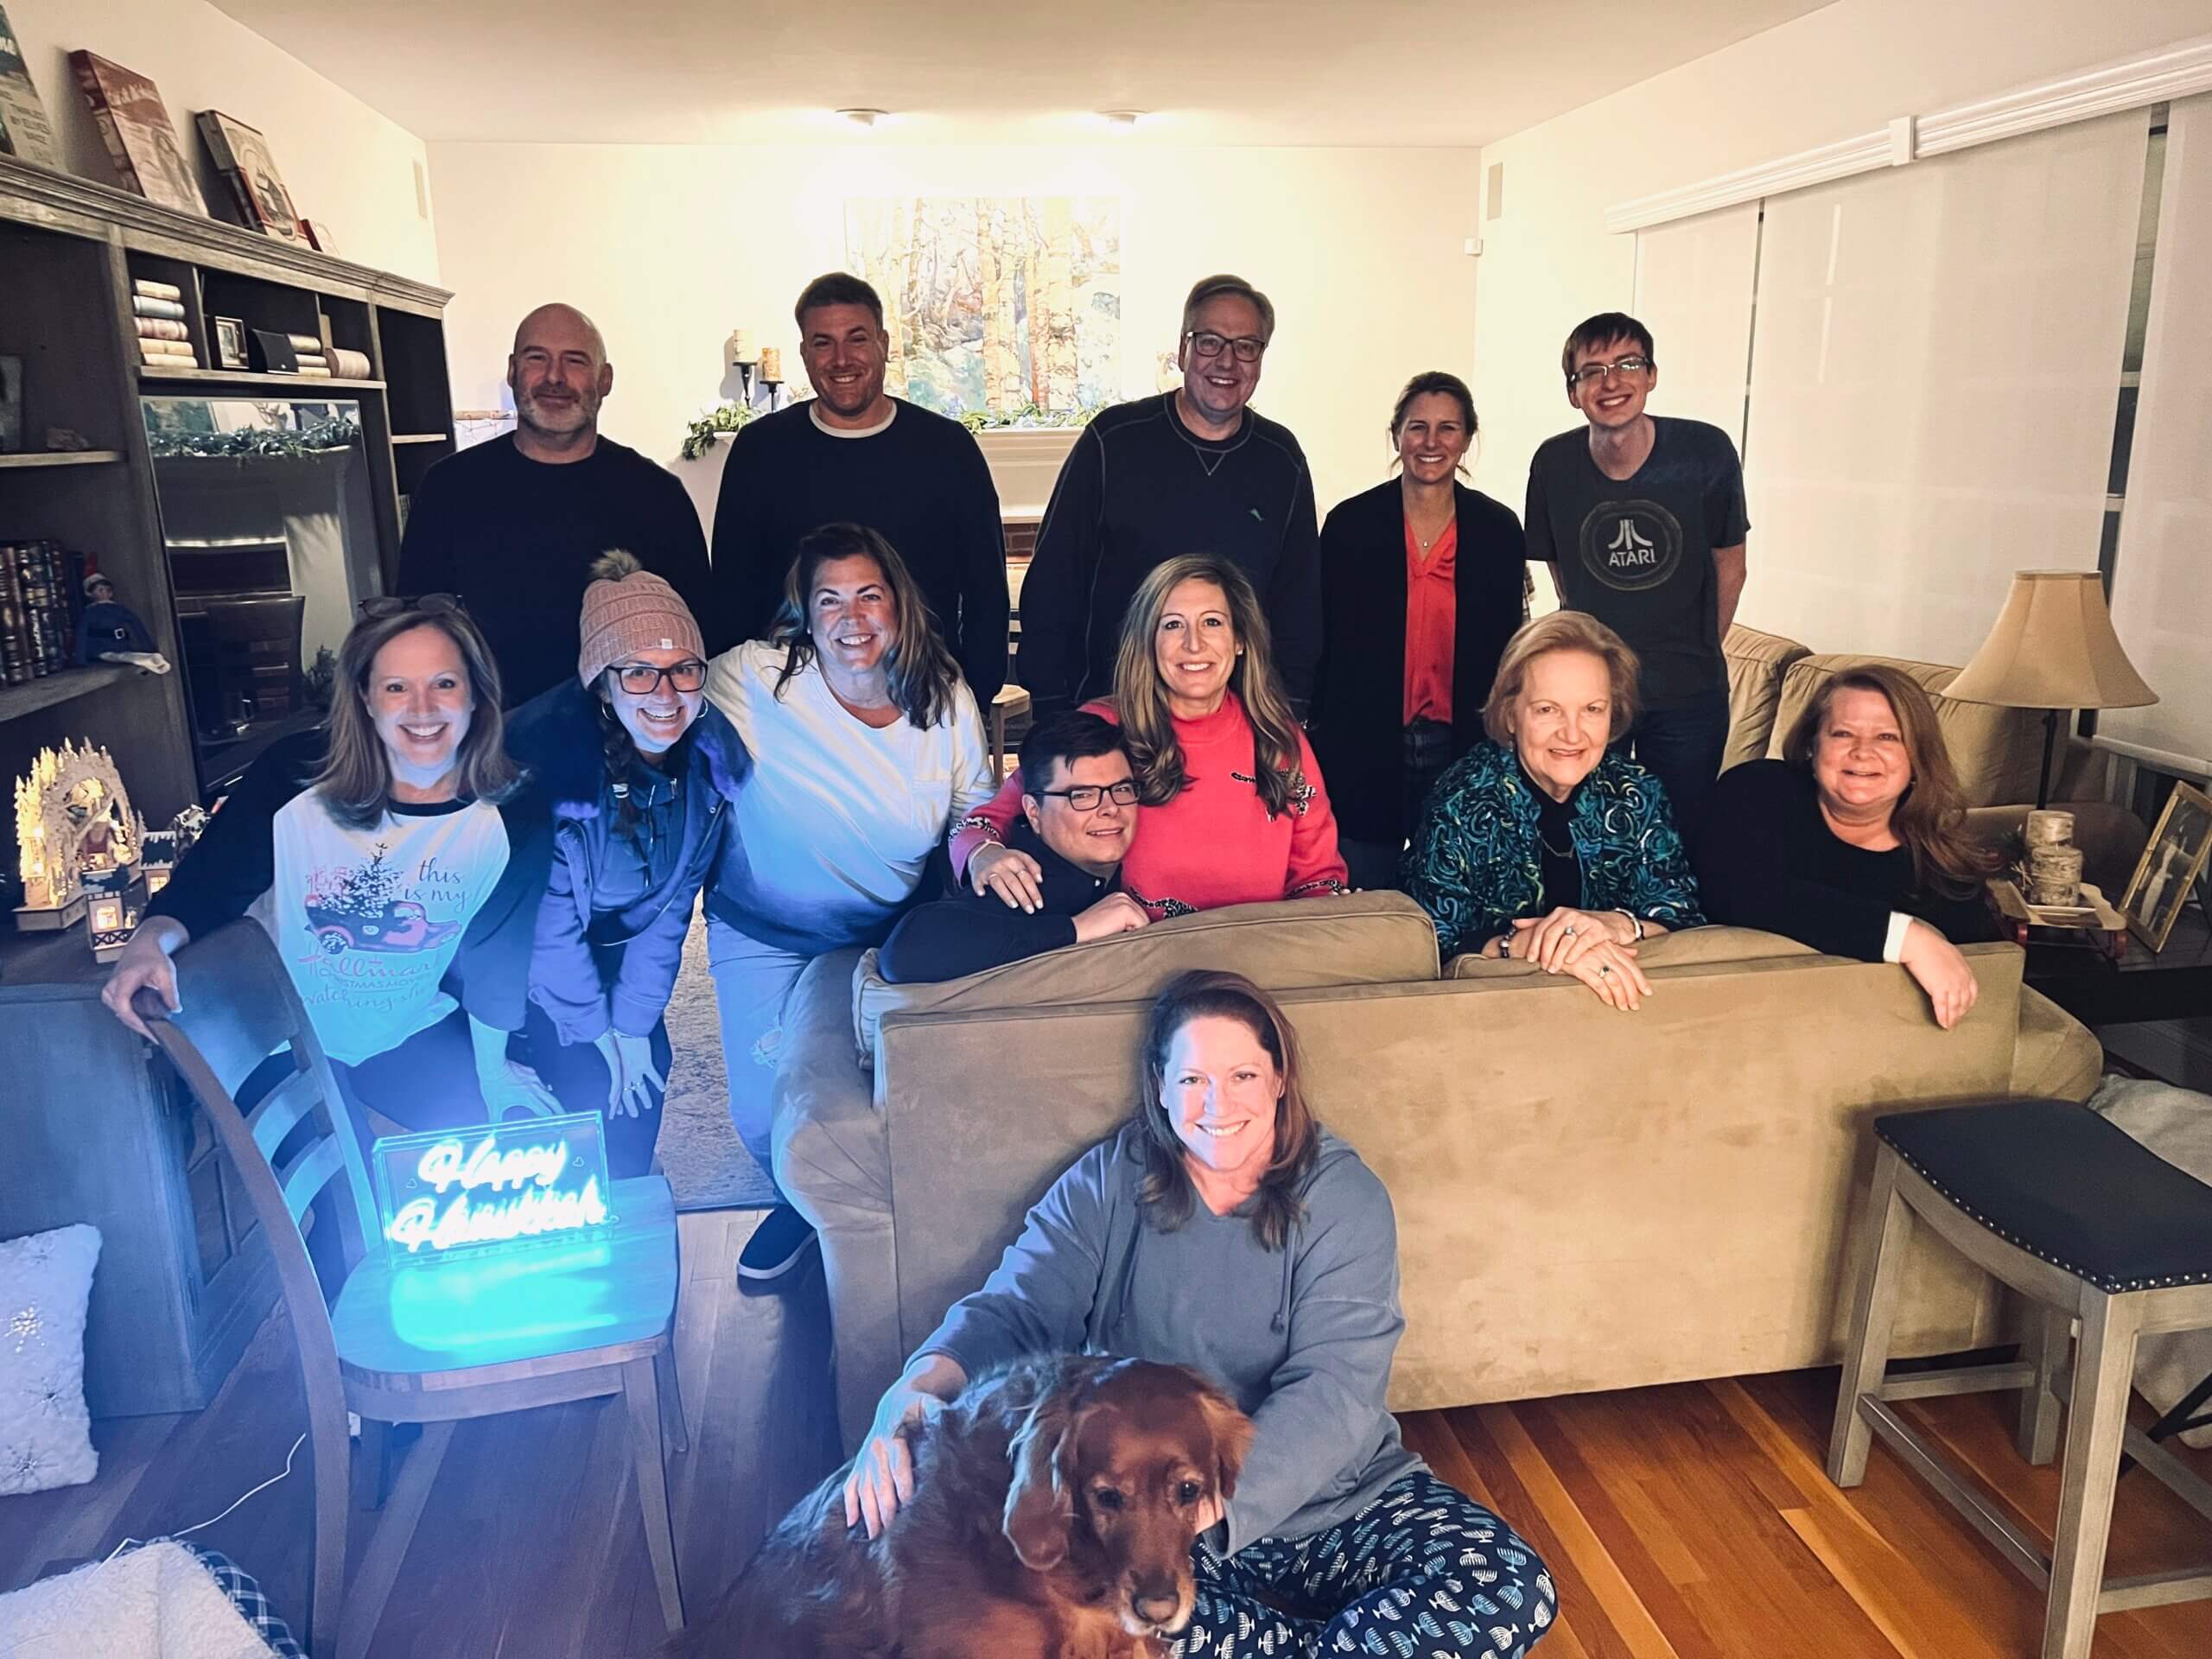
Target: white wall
<point x="343" y="163"/>
<point x="669" y="247"/>
<point x="1548" y="262"/>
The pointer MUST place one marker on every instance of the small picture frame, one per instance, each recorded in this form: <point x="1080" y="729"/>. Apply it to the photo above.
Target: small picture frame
<point x="2167" y="873"/>
<point x="230" y="343"/>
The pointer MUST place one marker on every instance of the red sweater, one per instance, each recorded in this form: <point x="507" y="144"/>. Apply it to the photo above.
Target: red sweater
<point x="1214" y="844"/>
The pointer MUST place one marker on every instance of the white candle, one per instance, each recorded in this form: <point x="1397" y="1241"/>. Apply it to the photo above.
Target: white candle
<point x="772" y="363"/>
<point x="740" y="346"/>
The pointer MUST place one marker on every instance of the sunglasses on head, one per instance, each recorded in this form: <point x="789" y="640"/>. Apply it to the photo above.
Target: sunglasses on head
<point x="430" y="604"/>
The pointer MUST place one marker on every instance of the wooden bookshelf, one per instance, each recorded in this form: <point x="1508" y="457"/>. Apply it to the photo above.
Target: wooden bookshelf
<point x="70" y="250"/>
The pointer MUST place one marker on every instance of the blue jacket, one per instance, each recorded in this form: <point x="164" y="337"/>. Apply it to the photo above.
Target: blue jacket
<point x="557" y="736"/>
<point x="1474" y="864"/>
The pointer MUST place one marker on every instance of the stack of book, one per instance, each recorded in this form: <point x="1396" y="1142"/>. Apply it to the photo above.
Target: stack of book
<point x="163" y="341"/>
<point x="313" y="358"/>
<point x="38" y="609"/>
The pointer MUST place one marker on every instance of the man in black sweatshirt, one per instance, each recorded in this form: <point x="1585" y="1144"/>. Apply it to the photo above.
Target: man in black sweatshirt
<point x="513" y="524"/>
<point x="1194" y="471"/>
<point x="853" y="453"/>
<point x="1061" y="884"/>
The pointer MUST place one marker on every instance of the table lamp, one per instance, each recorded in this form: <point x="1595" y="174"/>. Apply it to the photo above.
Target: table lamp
<point x="2053" y="648"/>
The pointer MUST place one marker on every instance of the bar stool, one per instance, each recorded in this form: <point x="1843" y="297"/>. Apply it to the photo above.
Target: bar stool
<point x="2087" y="1224"/>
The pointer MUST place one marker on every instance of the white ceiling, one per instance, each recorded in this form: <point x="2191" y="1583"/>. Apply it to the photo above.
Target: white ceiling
<point x="1229" y="72"/>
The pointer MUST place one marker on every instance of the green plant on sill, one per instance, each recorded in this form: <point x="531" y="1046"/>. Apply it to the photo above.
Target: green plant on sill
<point x="699" y="436"/>
<point x="1028" y="416"/>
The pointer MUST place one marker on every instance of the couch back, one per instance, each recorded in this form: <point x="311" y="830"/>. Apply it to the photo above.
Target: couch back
<point x="1585" y="1199"/>
<point x="1998" y="752"/>
<point x="1358" y="938"/>
<point x="1757" y="663"/>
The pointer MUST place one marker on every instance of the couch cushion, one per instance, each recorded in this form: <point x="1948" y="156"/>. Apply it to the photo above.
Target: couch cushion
<point x="1757" y="663"/>
<point x="1688" y="948"/>
<point x="1361" y="939"/>
<point x="1998" y="752"/>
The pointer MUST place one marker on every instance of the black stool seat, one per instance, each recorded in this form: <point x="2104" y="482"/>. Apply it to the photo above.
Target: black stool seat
<point x="2066" y="1186"/>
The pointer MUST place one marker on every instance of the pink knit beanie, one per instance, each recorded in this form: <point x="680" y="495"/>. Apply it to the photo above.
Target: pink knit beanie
<point x="629" y="609"/>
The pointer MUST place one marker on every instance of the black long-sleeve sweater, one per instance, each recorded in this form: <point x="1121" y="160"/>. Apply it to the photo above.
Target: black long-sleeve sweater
<point x="516" y="539"/>
<point x="1139" y="489"/>
<point x="1769" y="861"/>
<point x="953" y="938"/>
<point x="921" y="482"/>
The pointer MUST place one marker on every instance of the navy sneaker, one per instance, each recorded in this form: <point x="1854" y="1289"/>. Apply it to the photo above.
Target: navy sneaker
<point x="778" y="1245"/>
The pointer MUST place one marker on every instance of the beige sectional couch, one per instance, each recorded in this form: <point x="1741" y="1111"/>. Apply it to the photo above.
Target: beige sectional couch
<point x="1586" y="1198"/>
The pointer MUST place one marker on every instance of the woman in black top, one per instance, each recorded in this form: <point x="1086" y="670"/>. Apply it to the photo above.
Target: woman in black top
<point x="1423" y="580"/>
<point x="1854" y="842"/>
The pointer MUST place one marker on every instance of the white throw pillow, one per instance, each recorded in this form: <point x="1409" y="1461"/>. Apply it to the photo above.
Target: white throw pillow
<point x="46" y="1433"/>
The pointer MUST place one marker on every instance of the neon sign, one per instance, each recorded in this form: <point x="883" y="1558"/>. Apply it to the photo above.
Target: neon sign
<point x="459" y="1192"/>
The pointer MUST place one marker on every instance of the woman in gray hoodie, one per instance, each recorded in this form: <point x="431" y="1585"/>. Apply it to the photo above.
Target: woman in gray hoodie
<point x="1224" y="1227"/>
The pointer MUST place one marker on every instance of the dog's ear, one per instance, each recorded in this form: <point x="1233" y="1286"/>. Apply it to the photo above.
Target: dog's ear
<point x="1232" y="1437"/>
<point x="1039" y="1506"/>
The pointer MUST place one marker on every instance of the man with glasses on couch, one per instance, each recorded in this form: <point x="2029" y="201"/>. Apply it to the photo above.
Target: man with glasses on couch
<point x="1193" y="470"/>
<point x="1076" y="830"/>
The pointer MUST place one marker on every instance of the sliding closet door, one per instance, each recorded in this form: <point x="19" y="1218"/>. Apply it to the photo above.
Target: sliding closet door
<point x="1693" y="292"/>
<point x="1934" y="372"/>
<point x="2162" y="579"/>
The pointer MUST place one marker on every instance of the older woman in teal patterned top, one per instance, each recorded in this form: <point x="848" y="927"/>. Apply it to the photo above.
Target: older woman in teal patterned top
<point x="1540" y="844"/>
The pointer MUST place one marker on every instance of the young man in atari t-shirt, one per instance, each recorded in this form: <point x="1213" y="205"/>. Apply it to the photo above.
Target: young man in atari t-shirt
<point x="1641" y="518"/>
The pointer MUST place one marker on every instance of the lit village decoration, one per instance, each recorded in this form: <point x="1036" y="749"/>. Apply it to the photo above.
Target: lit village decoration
<point x="84" y="853"/>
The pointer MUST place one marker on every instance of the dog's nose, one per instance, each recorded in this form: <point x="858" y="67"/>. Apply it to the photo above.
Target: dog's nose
<point x="1156" y="1606"/>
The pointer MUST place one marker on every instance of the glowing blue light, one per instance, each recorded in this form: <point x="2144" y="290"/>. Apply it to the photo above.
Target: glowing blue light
<point x="508" y="1185"/>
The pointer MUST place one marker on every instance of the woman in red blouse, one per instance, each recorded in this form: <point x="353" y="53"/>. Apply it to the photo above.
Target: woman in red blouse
<point x="1234" y="810"/>
<point x="1423" y="580"/>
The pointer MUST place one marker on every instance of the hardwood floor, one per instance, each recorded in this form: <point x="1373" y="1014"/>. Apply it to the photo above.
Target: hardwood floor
<point x="1679" y="1522"/>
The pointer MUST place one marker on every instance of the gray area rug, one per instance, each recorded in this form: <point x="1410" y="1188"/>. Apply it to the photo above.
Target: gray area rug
<point x="707" y="1166"/>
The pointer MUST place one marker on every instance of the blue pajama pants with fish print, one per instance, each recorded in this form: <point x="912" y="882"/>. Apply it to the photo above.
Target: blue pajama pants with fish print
<point x="1423" y="1573"/>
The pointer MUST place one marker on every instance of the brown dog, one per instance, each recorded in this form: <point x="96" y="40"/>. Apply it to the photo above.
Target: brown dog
<point x="1055" y="1504"/>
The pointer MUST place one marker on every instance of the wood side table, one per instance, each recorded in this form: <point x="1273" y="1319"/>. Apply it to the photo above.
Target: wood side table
<point x="2175" y="984"/>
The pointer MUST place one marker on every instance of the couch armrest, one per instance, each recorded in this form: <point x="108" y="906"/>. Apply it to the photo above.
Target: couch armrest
<point x="2057" y="1057"/>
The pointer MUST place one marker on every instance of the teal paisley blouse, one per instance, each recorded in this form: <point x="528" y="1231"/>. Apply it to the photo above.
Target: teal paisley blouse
<point x="1474" y="863"/>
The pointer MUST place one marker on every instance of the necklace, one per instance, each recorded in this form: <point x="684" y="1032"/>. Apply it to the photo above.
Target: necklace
<point x="1567" y="851"/>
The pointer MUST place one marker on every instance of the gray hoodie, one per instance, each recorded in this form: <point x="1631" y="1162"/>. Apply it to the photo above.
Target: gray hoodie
<point x="1301" y="1337"/>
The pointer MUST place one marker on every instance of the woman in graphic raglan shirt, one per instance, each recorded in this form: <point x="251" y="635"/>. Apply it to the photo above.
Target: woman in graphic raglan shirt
<point x="375" y="852"/>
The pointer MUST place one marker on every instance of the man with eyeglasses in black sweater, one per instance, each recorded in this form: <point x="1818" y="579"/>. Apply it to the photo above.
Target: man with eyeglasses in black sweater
<point x="1194" y="470"/>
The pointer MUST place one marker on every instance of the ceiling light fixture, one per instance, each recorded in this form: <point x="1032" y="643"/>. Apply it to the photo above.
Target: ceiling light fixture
<point x="1121" y="120"/>
<point x="863" y="117"/>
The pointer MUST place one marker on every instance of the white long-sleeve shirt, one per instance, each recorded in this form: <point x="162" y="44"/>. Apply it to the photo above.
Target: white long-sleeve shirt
<point x="837" y="818"/>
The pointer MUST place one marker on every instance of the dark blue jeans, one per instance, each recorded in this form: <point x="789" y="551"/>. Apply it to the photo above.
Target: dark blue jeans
<point x="1681" y="747"/>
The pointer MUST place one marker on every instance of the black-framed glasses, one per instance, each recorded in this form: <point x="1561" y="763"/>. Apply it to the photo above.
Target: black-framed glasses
<point x="397" y="605"/>
<point x="1084" y="797"/>
<point x="643" y="679"/>
<point x="1206" y="343"/>
<point x="1590" y="373"/>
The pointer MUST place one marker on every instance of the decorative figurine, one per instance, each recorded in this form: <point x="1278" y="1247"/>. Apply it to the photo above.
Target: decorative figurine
<point x="72" y="815"/>
<point x="113" y="632"/>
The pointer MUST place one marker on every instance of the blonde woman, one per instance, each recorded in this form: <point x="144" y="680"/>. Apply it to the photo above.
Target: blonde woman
<point x="1234" y="810"/>
<point x="1541" y="843"/>
<point x="1854" y="842"/>
<point x="377" y="853"/>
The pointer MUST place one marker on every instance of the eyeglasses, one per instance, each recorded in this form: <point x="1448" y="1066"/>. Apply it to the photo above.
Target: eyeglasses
<point x="643" y="679"/>
<point x="1084" y="797"/>
<point x="430" y="604"/>
<point x="1206" y="343"/>
<point x="1590" y="373"/>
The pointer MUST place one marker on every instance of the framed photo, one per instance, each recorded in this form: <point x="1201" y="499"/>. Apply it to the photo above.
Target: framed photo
<point x="318" y="234"/>
<point x="2167" y="873"/>
<point x="12" y="404"/>
<point x="230" y="343"/>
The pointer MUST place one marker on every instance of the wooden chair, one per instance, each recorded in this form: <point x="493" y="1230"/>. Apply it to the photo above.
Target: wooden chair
<point x="405" y="1345"/>
<point x="2085" y="1223"/>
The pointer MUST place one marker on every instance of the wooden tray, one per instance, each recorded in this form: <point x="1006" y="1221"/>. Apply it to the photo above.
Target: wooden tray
<point x="2093" y="924"/>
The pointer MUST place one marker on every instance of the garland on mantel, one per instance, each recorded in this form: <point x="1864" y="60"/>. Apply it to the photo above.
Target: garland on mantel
<point x="256" y="443"/>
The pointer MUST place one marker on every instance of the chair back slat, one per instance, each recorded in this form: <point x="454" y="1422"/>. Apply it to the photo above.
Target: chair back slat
<point x="281" y="1111"/>
<point x="309" y="1173"/>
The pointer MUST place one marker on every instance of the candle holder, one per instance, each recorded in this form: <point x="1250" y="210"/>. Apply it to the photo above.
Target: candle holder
<point x="746" y="372"/>
<point x="774" y="389"/>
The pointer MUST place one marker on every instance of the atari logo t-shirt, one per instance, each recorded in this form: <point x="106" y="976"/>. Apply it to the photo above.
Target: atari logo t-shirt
<point x="1638" y="553"/>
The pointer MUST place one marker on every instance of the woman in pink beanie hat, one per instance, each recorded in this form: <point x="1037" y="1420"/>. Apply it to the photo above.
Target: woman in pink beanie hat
<point x="635" y="772"/>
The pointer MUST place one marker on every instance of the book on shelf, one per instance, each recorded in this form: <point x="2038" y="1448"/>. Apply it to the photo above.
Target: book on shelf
<point x="304" y="344"/>
<point x="241" y="155"/>
<point x="134" y="124"/>
<point x="168" y="353"/>
<point x="37" y="618"/>
<point x="24" y="131"/>
<point x="349" y="366"/>
<point x="146" y="288"/>
<point x="162" y="329"/>
<point x="144" y="307"/>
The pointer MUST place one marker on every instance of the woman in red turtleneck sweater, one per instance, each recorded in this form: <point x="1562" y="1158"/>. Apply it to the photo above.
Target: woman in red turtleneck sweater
<point x="1235" y="812"/>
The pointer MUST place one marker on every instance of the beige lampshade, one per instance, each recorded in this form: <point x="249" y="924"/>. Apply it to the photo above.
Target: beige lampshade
<point x="2053" y="647"/>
